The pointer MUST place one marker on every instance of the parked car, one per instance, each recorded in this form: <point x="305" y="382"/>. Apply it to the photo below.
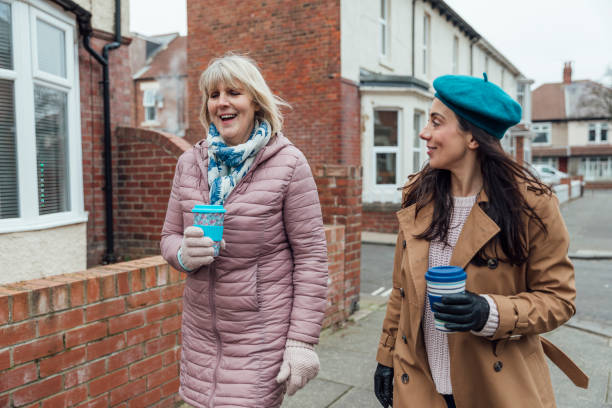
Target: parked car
<point x="548" y="174"/>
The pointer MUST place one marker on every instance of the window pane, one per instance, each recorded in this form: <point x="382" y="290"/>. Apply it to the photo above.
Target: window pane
<point x="385" y="168"/>
<point x="51" y="150"/>
<point x="591" y="133"/>
<point x="6" y="48"/>
<point x="416" y="161"/>
<point x="416" y="123"/>
<point x="9" y="202"/>
<point x="385" y="128"/>
<point x="51" y="49"/>
<point x="383" y="12"/>
<point x="541" y="137"/>
<point x="604" y="133"/>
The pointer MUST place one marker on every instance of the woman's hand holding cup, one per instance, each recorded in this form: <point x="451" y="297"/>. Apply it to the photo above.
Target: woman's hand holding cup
<point x="196" y="250"/>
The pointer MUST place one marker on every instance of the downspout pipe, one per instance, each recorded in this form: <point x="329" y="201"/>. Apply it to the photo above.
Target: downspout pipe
<point x="84" y="21"/>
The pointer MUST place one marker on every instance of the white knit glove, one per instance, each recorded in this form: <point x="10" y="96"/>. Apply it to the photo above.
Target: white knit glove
<point x="196" y="249"/>
<point x="300" y="365"/>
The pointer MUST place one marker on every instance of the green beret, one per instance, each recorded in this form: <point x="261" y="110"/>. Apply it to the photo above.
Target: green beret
<point x="480" y="102"/>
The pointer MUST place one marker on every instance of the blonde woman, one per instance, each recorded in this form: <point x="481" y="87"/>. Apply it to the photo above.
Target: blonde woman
<point x="252" y="314"/>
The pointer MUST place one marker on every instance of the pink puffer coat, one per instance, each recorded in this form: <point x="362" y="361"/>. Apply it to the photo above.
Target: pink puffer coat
<point x="267" y="285"/>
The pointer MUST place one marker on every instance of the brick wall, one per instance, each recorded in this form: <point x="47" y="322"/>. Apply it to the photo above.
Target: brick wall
<point x="146" y="161"/>
<point x="340" y="195"/>
<point x="297" y="46"/>
<point x="380" y="217"/>
<point x="92" y="133"/>
<point x="104" y="337"/>
<point x="108" y="336"/>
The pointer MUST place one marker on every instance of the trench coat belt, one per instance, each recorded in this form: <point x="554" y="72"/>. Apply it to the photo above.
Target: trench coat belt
<point x="565" y="364"/>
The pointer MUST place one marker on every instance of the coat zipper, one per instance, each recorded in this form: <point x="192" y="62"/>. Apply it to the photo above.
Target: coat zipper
<point x="213" y="310"/>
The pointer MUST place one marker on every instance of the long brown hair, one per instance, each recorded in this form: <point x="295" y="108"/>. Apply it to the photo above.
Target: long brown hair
<point x="502" y="177"/>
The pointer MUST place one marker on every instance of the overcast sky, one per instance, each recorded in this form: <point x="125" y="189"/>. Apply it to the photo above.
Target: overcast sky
<point x="537" y="36"/>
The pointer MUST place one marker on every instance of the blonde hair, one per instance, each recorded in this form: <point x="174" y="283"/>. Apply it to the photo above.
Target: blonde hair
<point x="236" y="70"/>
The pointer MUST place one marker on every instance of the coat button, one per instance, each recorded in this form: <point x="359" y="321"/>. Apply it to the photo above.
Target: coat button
<point x="404" y="244"/>
<point x="405" y="339"/>
<point x="492" y="263"/>
<point x="402" y="294"/>
<point x="498" y="366"/>
<point x="405" y="378"/>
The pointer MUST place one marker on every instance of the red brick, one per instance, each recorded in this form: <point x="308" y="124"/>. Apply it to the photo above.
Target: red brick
<point x="171" y="324"/>
<point x="77" y="294"/>
<point x="4" y="309"/>
<point x="17" y="333"/>
<point x="162" y="376"/>
<point x="66" y="399"/>
<point x="93" y="290"/>
<point x="161" y="311"/>
<point x="100" y="402"/>
<point x="84" y="374"/>
<point x="86" y="333"/>
<point x="137" y="280"/>
<point x="60" y="299"/>
<point x="171" y="356"/>
<point x="127" y="391"/>
<point x="21" y="306"/>
<point x="143" y="367"/>
<point x="107" y="283"/>
<point x="62" y="362"/>
<point x="60" y="322"/>
<point x="172" y="292"/>
<point x="144" y="299"/>
<point x="37" y="391"/>
<point x="150" y="277"/>
<point x="143" y="334"/>
<point x="108" y="382"/>
<point x="123" y="285"/>
<point x="5" y="400"/>
<point x="5" y="359"/>
<point x="18" y="376"/>
<point x="126" y="322"/>
<point x="145" y="400"/>
<point x="104" y="310"/>
<point x="105" y="346"/>
<point x="170" y="388"/>
<point x="124" y="358"/>
<point x="161" y="344"/>
<point x="37" y="349"/>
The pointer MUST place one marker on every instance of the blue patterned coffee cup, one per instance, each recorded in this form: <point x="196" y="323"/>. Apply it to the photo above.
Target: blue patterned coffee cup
<point x="210" y="219"/>
<point x="441" y="281"/>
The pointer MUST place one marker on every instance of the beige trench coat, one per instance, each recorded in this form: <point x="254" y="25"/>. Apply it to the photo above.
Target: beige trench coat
<point x="509" y="368"/>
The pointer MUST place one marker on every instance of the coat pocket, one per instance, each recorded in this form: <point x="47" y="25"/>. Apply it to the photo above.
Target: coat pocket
<point x="237" y="288"/>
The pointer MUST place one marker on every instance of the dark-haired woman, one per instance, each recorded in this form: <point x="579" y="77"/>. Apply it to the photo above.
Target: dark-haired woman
<point x="473" y="206"/>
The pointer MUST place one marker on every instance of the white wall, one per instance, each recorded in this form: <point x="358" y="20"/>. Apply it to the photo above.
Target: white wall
<point x="36" y="254"/>
<point x="103" y="14"/>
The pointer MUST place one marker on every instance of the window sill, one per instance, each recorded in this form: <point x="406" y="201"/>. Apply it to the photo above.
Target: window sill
<point x="385" y="63"/>
<point x="42" y="223"/>
<point x="150" y="123"/>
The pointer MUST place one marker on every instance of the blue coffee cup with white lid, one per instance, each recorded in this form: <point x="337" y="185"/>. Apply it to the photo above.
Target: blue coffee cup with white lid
<point x="210" y="219"/>
<point x="441" y="281"/>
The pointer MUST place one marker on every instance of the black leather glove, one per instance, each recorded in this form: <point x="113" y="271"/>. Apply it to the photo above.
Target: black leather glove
<point x="462" y="311"/>
<point x="383" y="385"/>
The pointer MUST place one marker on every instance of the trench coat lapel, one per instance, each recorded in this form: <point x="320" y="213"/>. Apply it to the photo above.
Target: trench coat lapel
<point x="418" y="256"/>
<point x="476" y="232"/>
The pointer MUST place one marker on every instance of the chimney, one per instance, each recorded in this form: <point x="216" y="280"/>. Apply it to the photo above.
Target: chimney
<point x="567" y="73"/>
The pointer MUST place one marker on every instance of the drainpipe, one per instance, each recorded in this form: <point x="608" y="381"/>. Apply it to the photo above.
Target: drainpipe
<point x="84" y="21"/>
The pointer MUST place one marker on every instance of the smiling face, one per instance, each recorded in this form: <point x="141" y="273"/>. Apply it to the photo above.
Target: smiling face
<point x="448" y="146"/>
<point x="232" y="110"/>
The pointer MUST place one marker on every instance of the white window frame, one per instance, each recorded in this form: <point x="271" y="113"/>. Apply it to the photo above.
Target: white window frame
<point x="542" y="127"/>
<point x="149" y="99"/>
<point x="387" y="149"/>
<point x="383" y="20"/>
<point x="591" y="166"/>
<point x="26" y="75"/>
<point x="417" y="140"/>
<point x="426" y="41"/>
<point x="455" y="65"/>
<point x="598" y="128"/>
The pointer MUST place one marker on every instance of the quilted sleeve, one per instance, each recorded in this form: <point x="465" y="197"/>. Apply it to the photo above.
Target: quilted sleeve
<point x="304" y="228"/>
<point x="172" y="231"/>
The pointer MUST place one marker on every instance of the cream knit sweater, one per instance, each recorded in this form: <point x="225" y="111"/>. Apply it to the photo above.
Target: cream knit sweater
<point x="436" y="342"/>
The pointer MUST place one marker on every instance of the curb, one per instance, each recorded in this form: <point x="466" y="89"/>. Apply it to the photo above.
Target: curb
<point x="590" y="255"/>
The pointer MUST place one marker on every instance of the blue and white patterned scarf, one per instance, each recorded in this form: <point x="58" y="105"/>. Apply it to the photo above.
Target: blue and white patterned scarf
<point x="228" y="164"/>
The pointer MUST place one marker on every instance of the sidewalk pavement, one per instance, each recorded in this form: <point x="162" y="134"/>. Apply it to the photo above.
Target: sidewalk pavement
<point x="348" y="361"/>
